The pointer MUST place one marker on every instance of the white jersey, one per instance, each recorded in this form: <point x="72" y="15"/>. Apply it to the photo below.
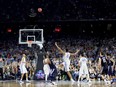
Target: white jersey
<point x="83" y="61"/>
<point x="83" y="66"/>
<point x="23" y="65"/>
<point x="66" y="61"/>
<point x="46" y="67"/>
<point x="23" y="62"/>
<point x="66" y="56"/>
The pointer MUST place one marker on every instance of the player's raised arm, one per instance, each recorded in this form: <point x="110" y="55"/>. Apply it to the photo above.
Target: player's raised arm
<point x="75" y="53"/>
<point x="59" y="48"/>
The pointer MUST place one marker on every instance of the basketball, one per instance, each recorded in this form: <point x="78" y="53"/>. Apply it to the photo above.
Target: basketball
<point x="39" y="9"/>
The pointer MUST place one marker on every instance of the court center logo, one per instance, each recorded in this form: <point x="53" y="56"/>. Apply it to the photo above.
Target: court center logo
<point x="40" y="74"/>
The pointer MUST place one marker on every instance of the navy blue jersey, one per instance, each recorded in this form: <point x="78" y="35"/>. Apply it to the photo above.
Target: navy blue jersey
<point x="110" y="63"/>
<point x="52" y="66"/>
<point x="103" y="61"/>
<point x="53" y="71"/>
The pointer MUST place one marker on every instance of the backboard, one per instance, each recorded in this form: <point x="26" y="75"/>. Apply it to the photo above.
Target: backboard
<point x="33" y="35"/>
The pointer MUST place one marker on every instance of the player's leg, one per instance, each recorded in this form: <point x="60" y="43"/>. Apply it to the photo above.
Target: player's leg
<point x="22" y="75"/>
<point x="46" y="69"/>
<point x="106" y="76"/>
<point x="88" y="77"/>
<point x="87" y="73"/>
<point x="53" y="76"/>
<point x="70" y="76"/>
<point x="27" y="77"/>
<point x="26" y="72"/>
<point x="80" y="74"/>
<point x="46" y="77"/>
<point x="1" y="72"/>
<point x="67" y="65"/>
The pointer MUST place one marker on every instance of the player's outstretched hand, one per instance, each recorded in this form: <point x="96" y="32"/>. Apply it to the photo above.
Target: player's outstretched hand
<point x="78" y="50"/>
<point x="56" y="43"/>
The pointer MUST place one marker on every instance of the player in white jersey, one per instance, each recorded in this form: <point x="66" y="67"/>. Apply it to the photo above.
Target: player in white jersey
<point x="66" y="60"/>
<point x="50" y="70"/>
<point x="46" y="67"/>
<point x="23" y="69"/>
<point x="83" y="72"/>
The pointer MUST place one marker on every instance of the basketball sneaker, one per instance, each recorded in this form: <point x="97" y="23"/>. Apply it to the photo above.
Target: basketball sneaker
<point x="49" y="84"/>
<point x="21" y="81"/>
<point x="72" y="80"/>
<point x="54" y="83"/>
<point x="28" y="81"/>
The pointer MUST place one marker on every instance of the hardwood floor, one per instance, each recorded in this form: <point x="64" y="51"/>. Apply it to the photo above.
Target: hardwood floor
<point x="12" y="83"/>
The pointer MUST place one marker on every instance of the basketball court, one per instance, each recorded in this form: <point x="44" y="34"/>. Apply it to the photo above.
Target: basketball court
<point x="14" y="83"/>
<point x="35" y="36"/>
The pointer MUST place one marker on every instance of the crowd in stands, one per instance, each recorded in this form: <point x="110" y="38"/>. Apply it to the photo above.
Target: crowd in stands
<point x="92" y="47"/>
<point x="11" y="52"/>
<point x="57" y="10"/>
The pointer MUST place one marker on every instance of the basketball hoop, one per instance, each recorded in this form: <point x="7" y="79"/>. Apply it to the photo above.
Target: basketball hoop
<point x="29" y="43"/>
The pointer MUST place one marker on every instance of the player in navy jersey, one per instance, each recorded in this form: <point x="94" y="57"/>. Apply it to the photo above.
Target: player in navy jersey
<point x="49" y="69"/>
<point x="53" y="72"/>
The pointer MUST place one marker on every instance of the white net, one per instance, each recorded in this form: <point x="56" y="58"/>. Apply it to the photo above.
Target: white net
<point x="29" y="43"/>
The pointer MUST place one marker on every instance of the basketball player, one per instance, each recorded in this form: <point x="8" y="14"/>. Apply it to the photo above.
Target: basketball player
<point x="66" y="56"/>
<point x="1" y="66"/>
<point x="23" y="69"/>
<point x="83" y="72"/>
<point x="49" y="69"/>
<point x="111" y="64"/>
<point x="14" y="68"/>
<point x="53" y="72"/>
<point x="103" y="63"/>
<point x="46" y="67"/>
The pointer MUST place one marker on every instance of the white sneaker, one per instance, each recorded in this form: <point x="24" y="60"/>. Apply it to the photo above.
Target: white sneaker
<point x="49" y="84"/>
<point x="89" y="81"/>
<point x="54" y="83"/>
<point x="78" y="81"/>
<point x="107" y="82"/>
<point x="28" y="81"/>
<point x="21" y="81"/>
<point x="27" y="84"/>
<point x="72" y="80"/>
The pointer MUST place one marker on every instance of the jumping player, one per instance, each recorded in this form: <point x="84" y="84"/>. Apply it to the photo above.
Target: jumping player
<point x="66" y="56"/>
<point x="23" y="69"/>
<point x="46" y="67"/>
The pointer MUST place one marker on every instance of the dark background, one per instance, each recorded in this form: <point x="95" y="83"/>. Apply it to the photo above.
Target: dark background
<point x="100" y="29"/>
<point x="78" y="18"/>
